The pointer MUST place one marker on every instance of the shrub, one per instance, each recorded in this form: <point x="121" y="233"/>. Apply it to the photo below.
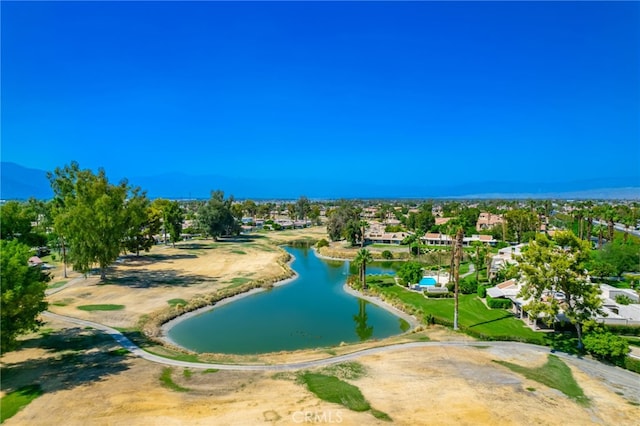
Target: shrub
<point x="498" y="303"/>
<point x="482" y="291"/>
<point x="322" y="243"/>
<point x="606" y="346"/>
<point x="438" y="295"/>
<point x="623" y="299"/>
<point x="387" y="254"/>
<point x="632" y="364"/>
<point x="468" y="285"/>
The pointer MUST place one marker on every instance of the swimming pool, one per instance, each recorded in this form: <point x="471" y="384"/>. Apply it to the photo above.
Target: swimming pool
<point x="427" y="282"/>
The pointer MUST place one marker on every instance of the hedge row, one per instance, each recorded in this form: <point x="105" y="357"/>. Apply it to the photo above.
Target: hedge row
<point x="498" y="303"/>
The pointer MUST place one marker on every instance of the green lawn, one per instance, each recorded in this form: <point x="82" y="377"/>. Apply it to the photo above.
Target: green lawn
<point x="555" y="374"/>
<point x="474" y="317"/>
<point x="14" y="401"/>
<point x="106" y="307"/>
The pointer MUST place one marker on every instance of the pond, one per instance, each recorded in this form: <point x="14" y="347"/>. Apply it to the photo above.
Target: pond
<point x="312" y="311"/>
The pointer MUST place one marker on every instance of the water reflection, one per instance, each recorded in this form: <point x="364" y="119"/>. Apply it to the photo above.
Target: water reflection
<point x="363" y="330"/>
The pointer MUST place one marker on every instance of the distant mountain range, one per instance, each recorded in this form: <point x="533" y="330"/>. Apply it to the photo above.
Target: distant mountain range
<point x="18" y="182"/>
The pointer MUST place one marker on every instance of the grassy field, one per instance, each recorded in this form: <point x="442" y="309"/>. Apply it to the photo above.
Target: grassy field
<point x="101" y="307"/>
<point x="555" y="374"/>
<point x="474" y="317"/>
<point x="14" y="401"/>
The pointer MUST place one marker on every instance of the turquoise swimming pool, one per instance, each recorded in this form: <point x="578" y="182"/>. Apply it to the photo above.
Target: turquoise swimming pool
<point x="427" y="282"/>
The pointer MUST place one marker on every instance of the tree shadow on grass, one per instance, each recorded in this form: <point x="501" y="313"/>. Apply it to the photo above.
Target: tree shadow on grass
<point x="149" y="258"/>
<point x="148" y="279"/>
<point x="73" y="357"/>
<point x="490" y="321"/>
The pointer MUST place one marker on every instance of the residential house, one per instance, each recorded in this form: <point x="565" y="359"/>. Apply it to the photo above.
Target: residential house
<point x="488" y="221"/>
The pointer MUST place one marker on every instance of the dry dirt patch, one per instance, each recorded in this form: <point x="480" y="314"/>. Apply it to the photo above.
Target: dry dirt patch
<point x="146" y="283"/>
<point x="435" y="385"/>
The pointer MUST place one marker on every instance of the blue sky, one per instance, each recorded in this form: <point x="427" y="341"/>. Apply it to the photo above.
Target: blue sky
<point x="355" y="91"/>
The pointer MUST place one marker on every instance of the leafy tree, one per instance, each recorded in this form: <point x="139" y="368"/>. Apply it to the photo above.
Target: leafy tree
<point x="621" y="256"/>
<point x="303" y="207"/>
<point x="16" y="221"/>
<point x="549" y="268"/>
<point x="338" y="219"/>
<point x="90" y="215"/>
<point x="607" y="346"/>
<point x="174" y="217"/>
<point x="520" y="221"/>
<point x="362" y="258"/>
<point x="22" y="293"/>
<point x="250" y="208"/>
<point x="216" y="216"/>
<point x="141" y="223"/>
<point x="410" y="272"/>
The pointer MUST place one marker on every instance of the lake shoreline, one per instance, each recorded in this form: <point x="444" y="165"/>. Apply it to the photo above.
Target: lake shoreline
<point x="164" y="328"/>
<point x="167" y="326"/>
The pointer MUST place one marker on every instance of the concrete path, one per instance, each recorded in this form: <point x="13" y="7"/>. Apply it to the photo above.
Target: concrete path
<point x="614" y="377"/>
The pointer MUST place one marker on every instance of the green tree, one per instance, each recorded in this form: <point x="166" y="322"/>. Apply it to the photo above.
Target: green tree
<point x="519" y="222"/>
<point x="15" y="221"/>
<point x="338" y="219"/>
<point x="174" y="218"/>
<point x="362" y="258"/>
<point x="216" y="216"/>
<point x="549" y="268"/>
<point x="607" y="346"/>
<point x="141" y="223"/>
<point x="621" y="256"/>
<point x="90" y="215"/>
<point x="22" y="293"/>
<point x="302" y="207"/>
<point x="410" y="272"/>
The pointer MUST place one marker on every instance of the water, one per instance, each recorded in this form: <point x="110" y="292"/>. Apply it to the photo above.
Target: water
<point x="427" y="281"/>
<point x="312" y="311"/>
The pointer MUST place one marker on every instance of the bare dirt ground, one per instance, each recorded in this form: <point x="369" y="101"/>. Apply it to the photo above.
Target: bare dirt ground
<point x="86" y="381"/>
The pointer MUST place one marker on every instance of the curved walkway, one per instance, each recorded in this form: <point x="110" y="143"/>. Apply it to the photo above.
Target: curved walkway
<point x="613" y="375"/>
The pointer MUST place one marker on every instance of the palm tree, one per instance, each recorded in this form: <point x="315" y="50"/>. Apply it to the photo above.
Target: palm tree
<point x="362" y="258"/>
<point x="456" y="271"/>
<point x="363" y="227"/>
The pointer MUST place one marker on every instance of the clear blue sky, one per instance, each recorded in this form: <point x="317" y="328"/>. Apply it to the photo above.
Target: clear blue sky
<point x="524" y="92"/>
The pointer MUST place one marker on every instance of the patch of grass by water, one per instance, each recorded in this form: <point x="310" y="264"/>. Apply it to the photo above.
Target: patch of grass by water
<point x="332" y="389"/>
<point x="167" y="381"/>
<point x="174" y="302"/>
<point x="555" y="374"/>
<point x="103" y="307"/>
<point x="14" y="401"/>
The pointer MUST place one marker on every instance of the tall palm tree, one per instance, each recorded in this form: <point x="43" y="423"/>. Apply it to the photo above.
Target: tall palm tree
<point x="456" y="271"/>
<point x="363" y="227"/>
<point x="362" y="258"/>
